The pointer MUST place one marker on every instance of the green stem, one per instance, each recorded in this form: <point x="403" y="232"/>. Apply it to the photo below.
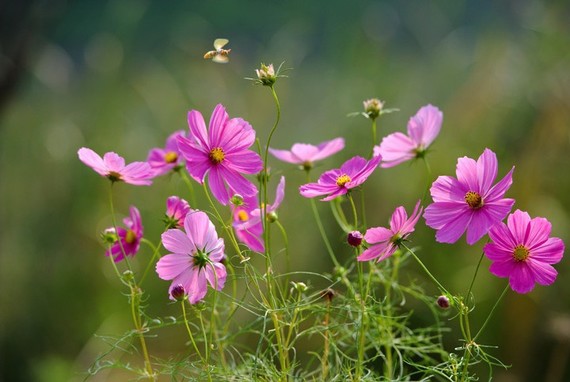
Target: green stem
<point x="428" y="179"/>
<point x="354" y="214"/>
<point x="189" y="185"/>
<point x="323" y="233"/>
<point x="468" y="296"/>
<point x="441" y="287"/>
<point x="182" y="303"/>
<point x="154" y="255"/>
<point x="491" y="312"/>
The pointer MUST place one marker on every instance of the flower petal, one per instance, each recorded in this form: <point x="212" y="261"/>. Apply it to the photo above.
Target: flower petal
<point x="217" y="125"/>
<point x="285" y="156"/>
<point x="217" y="276"/>
<point x="198" y="132"/>
<point x="93" y="160"/>
<point x="395" y="149"/>
<point x="328" y="148"/>
<point x="378" y="234"/>
<point x="486" y="171"/>
<point x="177" y="241"/>
<point x="466" y="171"/>
<point x="173" y="265"/>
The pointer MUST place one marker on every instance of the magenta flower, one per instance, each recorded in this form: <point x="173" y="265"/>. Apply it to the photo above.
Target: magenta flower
<point x="247" y="218"/>
<point x="176" y="211"/>
<point x="469" y="202"/>
<point x="113" y="167"/>
<point x="165" y="160"/>
<point x="385" y="241"/>
<point x="196" y="257"/>
<point x="305" y="154"/>
<point x="423" y="128"/>
<point x="221" y="152"/>
<point x="126" y="241"/>
<point x="523" y="251"/>
<point x="337" y="182"/>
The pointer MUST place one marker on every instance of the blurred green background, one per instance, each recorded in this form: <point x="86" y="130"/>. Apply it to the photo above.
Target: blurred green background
<point x="120" y="75"/>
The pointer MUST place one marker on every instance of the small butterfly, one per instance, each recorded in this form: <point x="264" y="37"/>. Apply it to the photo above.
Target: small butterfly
<point x="219" y="55"/>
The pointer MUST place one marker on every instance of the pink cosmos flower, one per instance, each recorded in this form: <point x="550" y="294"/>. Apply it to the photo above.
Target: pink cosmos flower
<point x="305" y="154"/>
<point x="196" y="257"/>
<point x="247" y="218"/>
<point x="221" y="152"/>
<point x="127" y="241"/>
<point x="164" y="160"/>
<point x="523" y="251"/>
<point x="337" y="182"/>
<point x="385" y="241"/>
<point x="423" y="128"/>
<point x="469" y="202"/>
<point x="176" y="211"/>
<point x="113" y="167"/>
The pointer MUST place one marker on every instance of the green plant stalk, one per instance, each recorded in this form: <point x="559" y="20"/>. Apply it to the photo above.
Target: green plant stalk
<point x="206" y="345"/>
<point x="154" y="255"/>
<point x="182" y="303"/>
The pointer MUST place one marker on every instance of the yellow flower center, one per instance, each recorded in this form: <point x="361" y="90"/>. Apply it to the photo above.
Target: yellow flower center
<point x="474" y="200"/>
<point x="171" y="157"/>
<point x="216" y="155"/>
<point x="342" y="180"/>
<point x="520" y="253"/>
<point x="243" y="216"/>
<point x="130" y="237"/>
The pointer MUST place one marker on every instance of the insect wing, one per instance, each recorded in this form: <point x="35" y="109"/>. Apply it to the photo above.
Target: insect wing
<point x="221" y="59"/>
<point x="219" y="43"/>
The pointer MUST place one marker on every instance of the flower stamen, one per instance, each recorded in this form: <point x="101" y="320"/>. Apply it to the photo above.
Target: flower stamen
<point x="114" y="176"/>
<point x="216" y="155"/>
<point x="520" y="253"/>
<point x="171" y="157"/>
<point x="130" y="237"/>
<point x="474" y="200"/>
<point x="342" y="180"/>
<point x="242" y="216"/>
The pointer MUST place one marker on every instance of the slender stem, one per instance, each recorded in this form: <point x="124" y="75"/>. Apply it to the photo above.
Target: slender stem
<point x="182" y="303"/>
<point x="154" y="255"/>
<point x="189" y="185"/>
<point x="468" y="295"/>
<point x="373" y="135"/>
<point x="428" y="179"/>
<point x="286" y="242"/>
<point x="339" y="216"/>
<point x="323" y="233"/>
<point x="114" y="220"/>
<point x="137" y="320"/>
<point x="206" y="345"/>
<point x="491" y="312"/>
<point x="354" y="214"/>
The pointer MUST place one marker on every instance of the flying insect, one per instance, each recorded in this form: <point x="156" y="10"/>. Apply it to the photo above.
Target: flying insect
<point x="219" y="55"/>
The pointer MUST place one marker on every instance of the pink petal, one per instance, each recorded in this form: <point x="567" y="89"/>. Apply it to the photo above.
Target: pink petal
<point x="466" y="171"/>
<point x="137" y="173"/>
<point x="424" y="127"/>
<point x="251" y="236"/>
<point x="285" y="156"/>
<point x="499" y="189"/>
<point x="481" y="222"/>
<point x="114" y="162"/>
<point x="304" y="152"/>
<point x="93" y="160"/>
<point x="503" y="268"/>
<point x="452" y="231"/>
<point x="312" y="190"/>
<point x="399" y="217"/>
<point x="247" y="162"/>
<point x="550" y="252"/>
<point x="353" y="166"/>
<point x="538" y="232"/>
<point x="447" y="188"/>
<point x="218" y="187"/>
<point x="172" y="265"/>
<point x="439" y="214"/>
<point x="237" y="182"/>
<point x="365" y="172"/>
<point x="486" y="171"/>
<point x="198" y="131"/>
<point x="328" y="148"/>
<point x="373" y="252"/>
<point x="238" y="136"/>
<point x="518" y="222"/>
<point x="410" y="224"/>
<point x="200" y="229"/>
<point x="217" y="125"/>
<point x="378" y="234"/>
<point x="196" y="285"/>
<point x="339" y="192"/>
<point x="544" y="274"/>
<point x="177" y="241"/>
<point x="396" y="148"/>
<point x="521" y="278"/>
<point x="279" y="195"/>
<point x="498" y="253"/>
<point x="502" y="237"/>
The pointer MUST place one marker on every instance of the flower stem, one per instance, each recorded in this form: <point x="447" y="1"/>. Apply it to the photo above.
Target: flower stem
<point x="441" y="287"/>
<point x="154" y="255"/>
<point x="323" y="233"/>
<point x="491" y="312"/>
<point x="182" y="303"/>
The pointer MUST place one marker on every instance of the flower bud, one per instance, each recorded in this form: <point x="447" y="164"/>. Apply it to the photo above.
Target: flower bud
<point x="109" y="236"/>
<point x="300" y="286"/>
<point x="328" y="294"/>
<point x="178" y="293"/>
<point x="443" y="302"/>
<point x="266" y="74"/>
<point x="237" y="200"/>
<point x="354" y="238"/>
<point x="272" y="217"/>
<point x="373" y="107"/>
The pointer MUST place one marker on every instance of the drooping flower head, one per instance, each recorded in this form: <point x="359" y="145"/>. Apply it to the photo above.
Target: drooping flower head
<point x="221" y="153"/>
<point x="126" y="240"/>
<point x="112" y="166"/>
<point x="470" y="202"/>
<point x="304" y="154"/>
<point x="385" y="241"/>
<point x="338" y="182"/>
<point x="247" y="218"/>
<point x="176" y="211"/>
<point x="373" y="107"/>
<point x="164" y="160"/>
<point x="423" y="128"/>
<point x="523" y="251"/>
<point x="195" y="258"/>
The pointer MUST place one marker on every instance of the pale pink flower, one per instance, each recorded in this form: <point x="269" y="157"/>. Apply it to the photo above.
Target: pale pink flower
<point x="523" y="251"/>
<point x="470" y="202"/>
<point x="196" y="257"/>
<point x="338" y="182"/>
<point x="305" y="154"/>
<point x="112" y="166"/>
<point x="221" y="153"/>
<point x="385" y="241"/>
<point x="423" y="128"/>
<point x="164" y="160"/>
<point x="127" y="240"/>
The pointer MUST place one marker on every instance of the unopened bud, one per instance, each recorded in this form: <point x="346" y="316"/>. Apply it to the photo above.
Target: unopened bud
<point x="237" y="200"/>
<point x="300" y="286"/>
<point x="373" y="107"/>
<point x="178" y="293"/>
<point x="443" y="302"/>
<point x="266" y="74"/>
<point x="354" y="238"/>
<point x="328" y="294"/>
<point x="272" y="217"/>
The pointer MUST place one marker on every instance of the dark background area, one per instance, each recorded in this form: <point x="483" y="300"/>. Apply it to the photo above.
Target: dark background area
<point x="121" y="75"/>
